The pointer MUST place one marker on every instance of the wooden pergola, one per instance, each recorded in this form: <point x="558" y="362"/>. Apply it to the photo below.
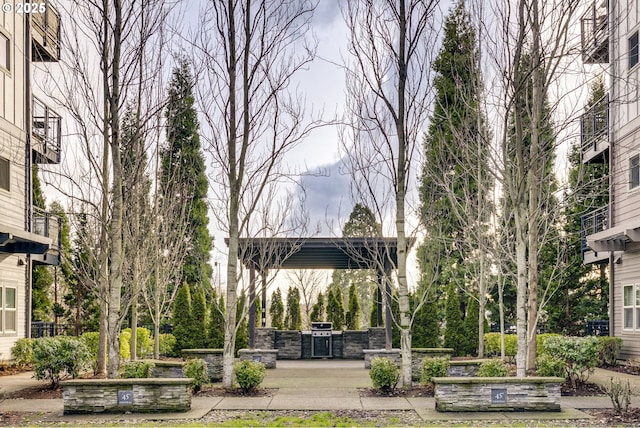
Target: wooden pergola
<point x="259" y="255"/>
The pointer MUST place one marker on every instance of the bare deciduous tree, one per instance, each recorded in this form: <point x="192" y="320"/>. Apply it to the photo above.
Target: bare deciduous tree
<point x="250" y="52"/>
<point x="389" y="89"/>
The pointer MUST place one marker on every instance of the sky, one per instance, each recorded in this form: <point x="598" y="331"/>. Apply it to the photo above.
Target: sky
<point x="318" y="159"/>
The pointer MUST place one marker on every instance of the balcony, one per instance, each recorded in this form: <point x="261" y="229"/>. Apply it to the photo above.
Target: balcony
<point x="46" y="132"/>
<point x="594" y="132"/>
<point x="49" y="226"/>
<point x="594" y="25"/>
<point x="45" y="32"/>
<point x="593" y="222"/>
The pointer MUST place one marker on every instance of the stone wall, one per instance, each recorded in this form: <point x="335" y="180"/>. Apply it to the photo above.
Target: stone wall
<point x="464" y="368"/>
<point x="265" y="338"/>
<point x="392" y="354"/>
<point x="265" y="356"/>
<point x="164" y="368"/>
<point x="289" y="344"/>
<point x="354" y="342"/>
<point x="213" y="358"/>
<point x="419" y="354"/>
<point x="295" y="345"/>
<point x="126" y="395"/>
<point x="491" y="394"/>
<point x="337" y="342"/>
<point x="377" y="338"/>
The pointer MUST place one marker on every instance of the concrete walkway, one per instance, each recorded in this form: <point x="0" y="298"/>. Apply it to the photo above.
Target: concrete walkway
<point x="315" y="385"/>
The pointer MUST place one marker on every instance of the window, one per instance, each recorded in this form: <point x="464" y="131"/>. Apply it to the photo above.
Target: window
<point x="8" y="306"/>
<point x="5" y="174"/>
<point x="4" y="52"/>
<point x="633" y="50"/>
<point x="634" y="172"/>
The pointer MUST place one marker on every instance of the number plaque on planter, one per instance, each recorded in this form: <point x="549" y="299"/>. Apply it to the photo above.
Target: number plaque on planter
<point x="498" y="396"/>
<point x="125" y="397"/>
<point x="257" y="358"/>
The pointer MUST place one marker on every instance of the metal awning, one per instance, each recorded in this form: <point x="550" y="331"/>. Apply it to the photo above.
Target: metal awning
<point x="615" y="238"/>
<point x="18" y="241"/>
<point x="319" y="253"/>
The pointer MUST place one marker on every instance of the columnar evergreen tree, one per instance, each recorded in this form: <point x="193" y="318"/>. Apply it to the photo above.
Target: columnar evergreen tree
<point x="426" y="327"/>
<point x="67" y="278"/>
<point x="185" y="329"/>
<point x="276" y="310"/>
<point x="293" y="317"/>
<point x="199" y="319"/>
<point x="216" y="321"/>
<point x="242" y="337"/>
<point x="317" y="313"/>
<point x="454" y="333"/>
<point x="471" y="326"/>
<point x="584" y="292"/>
<point x="335" y="309"/>
<point x="361" y="224"/>
<point x="42" y="278"/>
<point x="82" y="296"/>
<point x="183" y="166"/>
<point x="353" y="314"/>
<point x="456" y="182"/>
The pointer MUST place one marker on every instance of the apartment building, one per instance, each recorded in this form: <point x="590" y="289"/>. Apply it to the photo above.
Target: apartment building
<point x="611" y="133"/>
<point x="29" y="134"/>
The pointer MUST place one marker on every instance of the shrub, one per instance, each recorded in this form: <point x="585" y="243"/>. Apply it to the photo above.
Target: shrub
<point x="620" y="394"/>
<point x="492" y="345"/>
<point x="433" y="367"/>
<point x="91" y="339"/>
<point x="125" y="339"/>
<point x="493" y="368"/>
<point x="249" y="374"/>
<point x="384" y="373"/>
<point x="548" y="365"/>
<point x="608" y="350"/>
<point x="22" y="351"/>
<point x="579" y="354"/>
<point x="137" y="369"/>
<point x="144" y="343"/>
<point x="540" y="339"/>
<point x="196" y="369"/>
<point x="55" y="356"/>
<point x="168" y="345"/>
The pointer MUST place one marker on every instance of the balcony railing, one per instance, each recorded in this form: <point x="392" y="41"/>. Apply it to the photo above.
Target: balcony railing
<point x="46" y="33"/>
<point x="595" y="33"/>
<point x="46" y="131"/>
<point x="47" y="225"/>
<point x="593" y="222"/>
<point x="594" y="130"/>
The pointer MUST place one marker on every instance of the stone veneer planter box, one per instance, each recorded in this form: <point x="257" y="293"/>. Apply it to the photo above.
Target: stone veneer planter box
<point x="497" y="394"/>
<point x="150" y="395"/>
<point x="167" y="368"/>
<point x="419" y="354"/>
<point x="213" y="358"/>
<point x="267" y="357"/>
<point x="392" y="354"/>
<point x="464" y="368"/>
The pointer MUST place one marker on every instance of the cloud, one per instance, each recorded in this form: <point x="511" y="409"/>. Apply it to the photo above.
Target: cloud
<point x="327" y="197"/>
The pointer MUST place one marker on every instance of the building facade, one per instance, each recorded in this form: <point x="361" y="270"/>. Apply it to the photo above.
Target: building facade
<point x="30" y="133"/>
<point x="611" y="133"/>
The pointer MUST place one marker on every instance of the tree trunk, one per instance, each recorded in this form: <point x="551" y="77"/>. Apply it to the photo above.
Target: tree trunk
<point x="482" y="290"/>
<point x="521" y="299"/>
<point x="115" y="230"/>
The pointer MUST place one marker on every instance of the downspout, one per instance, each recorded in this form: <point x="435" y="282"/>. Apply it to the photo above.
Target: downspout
<point x="612" y="97"/>
<point x="28" y="166"/>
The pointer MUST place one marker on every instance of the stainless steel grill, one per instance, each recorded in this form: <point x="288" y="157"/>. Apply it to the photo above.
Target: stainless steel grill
<point x="321" y="343"/>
